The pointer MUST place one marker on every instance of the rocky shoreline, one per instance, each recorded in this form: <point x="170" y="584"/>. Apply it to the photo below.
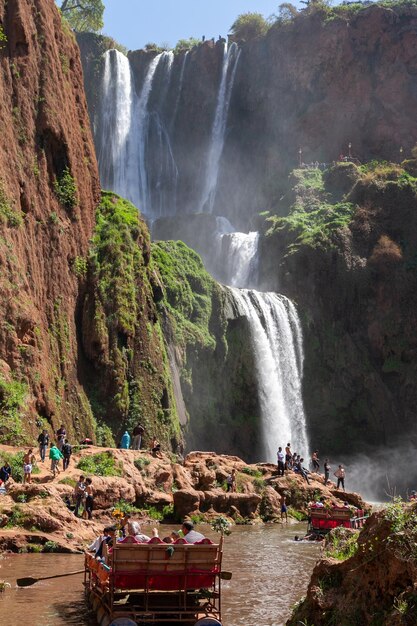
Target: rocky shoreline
<point x="35" y="517"/>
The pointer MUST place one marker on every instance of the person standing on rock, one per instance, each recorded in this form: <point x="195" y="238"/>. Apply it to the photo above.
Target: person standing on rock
<point x="89" y="499"/>
<point x="28" y="462"/>
<point x="231" y="481"/>
<point x="79" y="494"/>
<point x="137" y="433"/>
<point x="280" y="459"/>
<point x="66" y="451"/>
<point x="125" y="442"/>
<point x="61" y="433"/>
<point x="55" y="455"/>
<point x="43" y="441"/>
<point x="5" y="473"/>
<point x="288" y="457"/>
<point x="327" y="469"/>
<point x="340" y="475"/>
<point x="315" y="461"/>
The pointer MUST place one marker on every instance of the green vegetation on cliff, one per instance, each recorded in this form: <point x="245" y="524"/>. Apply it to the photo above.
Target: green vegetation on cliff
<point x="189" y="292"/>
<point x="122" y="336"/>
<point x="13" y="395"/>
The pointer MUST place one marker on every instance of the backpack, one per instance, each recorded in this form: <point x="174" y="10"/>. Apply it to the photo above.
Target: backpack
<point x="66" y="449"/>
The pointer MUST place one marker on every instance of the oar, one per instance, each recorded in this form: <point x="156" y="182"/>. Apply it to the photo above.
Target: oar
<point x="27" y="582"/>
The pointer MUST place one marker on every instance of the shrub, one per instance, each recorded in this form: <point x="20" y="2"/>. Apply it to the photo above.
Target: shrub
<point x="104" y="436"/>
<point x="249" y="26"/>
<point x="79" y="266"/>
<point x="141" y="463"/>
<point x="101" y="464"/>
<point x="250" y="471"/>
<point x="66" y="189"/>
<point x="51" y="546"/>
<point x="125" y="507"/>
<point x="8" y="215"/>
<point x="386" y="253"/>
<point x="184" y="45"/>
<point x="341" y="543"/>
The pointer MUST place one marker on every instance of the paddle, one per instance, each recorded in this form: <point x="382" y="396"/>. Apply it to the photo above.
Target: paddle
<point x="27" y="582"/>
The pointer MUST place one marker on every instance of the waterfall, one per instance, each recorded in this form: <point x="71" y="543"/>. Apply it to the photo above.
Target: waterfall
<point x="230" y="61"/>
<point x="180" y="85"/>
<point x="139" y="139"/>
<point x="116" y="119"/>
<point x="277" y="344"/>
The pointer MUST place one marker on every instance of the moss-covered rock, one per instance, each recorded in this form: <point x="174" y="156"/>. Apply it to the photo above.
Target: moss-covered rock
<point x="127" y="376"/>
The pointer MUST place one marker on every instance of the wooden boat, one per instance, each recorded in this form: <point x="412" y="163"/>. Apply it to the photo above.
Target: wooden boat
<point x="156" y="583"/>
<point x="323" y="519"/>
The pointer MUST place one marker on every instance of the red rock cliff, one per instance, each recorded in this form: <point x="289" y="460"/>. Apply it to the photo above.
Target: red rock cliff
<point x="49" y="189"/>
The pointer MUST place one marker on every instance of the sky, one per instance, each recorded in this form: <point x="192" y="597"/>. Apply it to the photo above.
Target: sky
<point x="134" y="23"/>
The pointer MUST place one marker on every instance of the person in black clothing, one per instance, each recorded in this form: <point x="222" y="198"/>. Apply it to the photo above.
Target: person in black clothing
<point x="61" y="433"/>
<point x="327" y="469"/>
<point x="43" y="441"/>
<point x="89" y="500"/>
<point x="302" y="470"/>
<point x="137" y="433"/>
<point x="5" y="473"/>
<point x="66" y="451"/>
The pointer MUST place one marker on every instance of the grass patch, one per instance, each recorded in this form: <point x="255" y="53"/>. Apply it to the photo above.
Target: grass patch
<point x="188" y="292"/>
<point x="141" y="463"/>
<point x="250" y="471"/>
<point x="51" y="546"/>
<point x="66" y="189"/>
<point x="8" y="214"/>
<point x="298" y="515"/>
<point x="341" y="544"/>
<point x="68" y="481"/>
<point x="101" y="464"/>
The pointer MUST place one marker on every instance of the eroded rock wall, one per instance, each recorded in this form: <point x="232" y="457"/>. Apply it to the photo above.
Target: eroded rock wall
<point x="45" y="142"/>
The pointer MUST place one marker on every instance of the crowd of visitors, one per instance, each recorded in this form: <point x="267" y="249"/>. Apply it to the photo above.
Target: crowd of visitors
<point x="295" y="462"/>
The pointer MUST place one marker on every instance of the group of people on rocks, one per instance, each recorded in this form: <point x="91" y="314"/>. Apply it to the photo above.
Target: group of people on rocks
<point x="137" y="439"/>
<point x="101" y="547"/>
<point x="289" y="460"/>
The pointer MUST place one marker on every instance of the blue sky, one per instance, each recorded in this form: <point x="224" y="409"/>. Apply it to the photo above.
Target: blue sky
<point x="134" y="23"/>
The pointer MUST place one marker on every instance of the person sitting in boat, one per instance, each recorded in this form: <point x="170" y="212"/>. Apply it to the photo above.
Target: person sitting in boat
<point x="134" y="530"/>
<point x="109" y="534"/>
<point x="190" y="535"/>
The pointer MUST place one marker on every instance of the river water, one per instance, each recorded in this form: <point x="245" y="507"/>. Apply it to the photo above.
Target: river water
<point x="270" y="573"/>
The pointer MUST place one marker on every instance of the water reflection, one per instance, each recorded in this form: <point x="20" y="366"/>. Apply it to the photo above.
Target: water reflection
<point x="270" y="573"/>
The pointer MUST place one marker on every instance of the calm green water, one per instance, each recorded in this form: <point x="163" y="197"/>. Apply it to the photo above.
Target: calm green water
<point x="270" y="573"/>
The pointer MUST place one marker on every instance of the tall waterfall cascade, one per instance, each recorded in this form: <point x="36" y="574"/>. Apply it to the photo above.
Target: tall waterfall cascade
<point x="137" y="154"/>
<point x="277" y="343"/>
<point x="230" y="61"/>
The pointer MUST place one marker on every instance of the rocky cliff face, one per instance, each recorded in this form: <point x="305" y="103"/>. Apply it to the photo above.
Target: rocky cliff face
<point x="48" y="191"/>
<point x="316" y="83"/>
<point x="346" y="254"/>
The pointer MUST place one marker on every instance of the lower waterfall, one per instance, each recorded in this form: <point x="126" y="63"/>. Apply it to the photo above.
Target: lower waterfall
<point x="277" y="344"/>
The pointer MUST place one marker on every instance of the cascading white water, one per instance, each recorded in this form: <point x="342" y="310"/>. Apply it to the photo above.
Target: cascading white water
<point x="140" y="136"/>
<point x="116" y="119"/>
<point x="230" y="61"/>
<point x="277" y="344"/>
<point x="235" y="255"/>
<point x="180" y="85"/>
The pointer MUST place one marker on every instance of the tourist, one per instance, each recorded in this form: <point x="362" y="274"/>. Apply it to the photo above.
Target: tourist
<point x="95" y="545"/>
<point x="125" y="441"/>
<point x="89" y="499"/>
<point x="61" y="433"/>
<point x="55" y="455"/>
<point x="43" y="441"/>
<point x="79" y="495"/>
<point x="5" y="473"/>
<point x="231" y="481"/>
<point x="288" y="457"/>
<point x="28" y="462"/>
<point x="284" y="508"/>
<point x="315" y="461"/>
<point x="413" y="496"/>
<point x="101" y="545"/>
<point x="190" y="535"/>
<point x="156" y="448"/>
<point x="134" y="530"/>
<point x="137" y="433"/>
<point x="66" y="451"/>
<point x="327" y="469"/>
<point x="340" y="475"/>
<point x="280" y="459"/>
<point x="302" y="470"/>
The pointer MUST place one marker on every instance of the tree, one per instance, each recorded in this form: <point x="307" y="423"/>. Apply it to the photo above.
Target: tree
<point x="287" y="12"/>
<point x="249" y="26"/>
<point x="83" y="15"/>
